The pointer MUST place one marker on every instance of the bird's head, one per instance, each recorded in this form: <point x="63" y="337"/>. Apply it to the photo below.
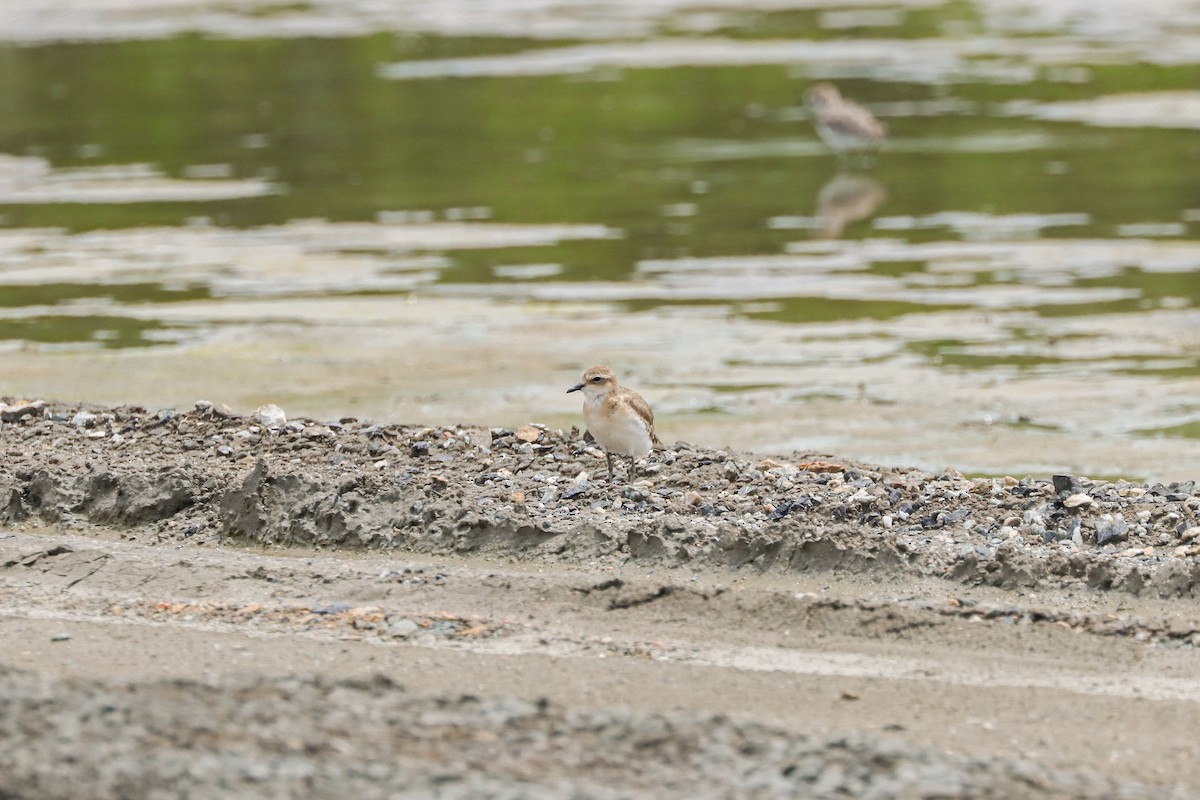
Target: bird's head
<point x="596" y="381"/>
<point x="821" y="95"/>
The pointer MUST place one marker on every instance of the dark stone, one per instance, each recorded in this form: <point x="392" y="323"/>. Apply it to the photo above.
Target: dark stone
<point x="1116" y="530"/>
<point x="782" y="510"/>
<point x="955" y="516"/>
<point x="1065" y="484"/>
<point x="1072" y="528"/>
<point x="14" y="413"/>
<point x="1187" y="488"/>
<point x="332" y="608"/>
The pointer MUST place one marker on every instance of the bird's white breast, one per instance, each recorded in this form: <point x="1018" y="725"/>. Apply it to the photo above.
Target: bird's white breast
<point x="620" y="431"/>
<point x="841" y="138"/>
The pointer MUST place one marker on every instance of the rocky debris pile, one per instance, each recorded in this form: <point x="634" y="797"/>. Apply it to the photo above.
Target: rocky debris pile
<point x="369" y="738"/>
<point x="207" y="473"/>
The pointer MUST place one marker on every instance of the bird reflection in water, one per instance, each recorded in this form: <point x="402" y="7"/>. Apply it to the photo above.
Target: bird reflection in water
<point x="847" y="198"/>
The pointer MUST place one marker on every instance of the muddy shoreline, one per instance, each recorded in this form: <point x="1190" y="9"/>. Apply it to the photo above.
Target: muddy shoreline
<point x="465" y="611"/>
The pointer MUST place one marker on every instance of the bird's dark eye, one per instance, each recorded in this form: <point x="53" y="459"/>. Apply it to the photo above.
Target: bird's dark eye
<point x="597" y="379"/>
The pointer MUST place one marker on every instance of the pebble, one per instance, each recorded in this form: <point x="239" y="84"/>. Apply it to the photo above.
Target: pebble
<point x="85" y="419"/>
<point x="402" y="628"/>
<point x="1078" y="501"/>
<point x="576" y="490"/>
<point x="332" y="608"/>
<point x="270" y="415"/>
<point x="528" y="433"/>
<point x="12" y="412"/>
<point x="1111" y="529"/>
<point x="1064" y="484"/>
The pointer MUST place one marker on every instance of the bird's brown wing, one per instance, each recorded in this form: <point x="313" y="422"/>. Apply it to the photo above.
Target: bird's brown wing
<point x="852" y="119"/>
<point x="639" y="404"/>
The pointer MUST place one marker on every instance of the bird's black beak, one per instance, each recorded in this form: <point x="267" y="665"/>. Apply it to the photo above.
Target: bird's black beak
<point x="577" y="387"/>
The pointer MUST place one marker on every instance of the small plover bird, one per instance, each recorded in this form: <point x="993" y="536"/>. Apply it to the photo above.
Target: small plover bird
<point x="619" y="419"/>
<point x="843" y="124"/>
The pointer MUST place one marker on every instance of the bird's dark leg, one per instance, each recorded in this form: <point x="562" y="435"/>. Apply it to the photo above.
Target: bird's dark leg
<point x="608" y="456"/>
<point x="632" y="468"/>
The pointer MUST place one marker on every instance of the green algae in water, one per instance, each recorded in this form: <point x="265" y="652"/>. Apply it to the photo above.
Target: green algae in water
<point x="52" y="294"/>
<point x="1186" y="430"/>
<point x="107" y="332"/>
<point x="314" y="116"/>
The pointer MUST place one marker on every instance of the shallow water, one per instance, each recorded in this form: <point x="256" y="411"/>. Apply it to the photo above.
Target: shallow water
<point x="319" y="208"/>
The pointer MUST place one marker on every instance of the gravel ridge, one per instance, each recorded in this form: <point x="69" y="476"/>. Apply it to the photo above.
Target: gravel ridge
<point x="543" y="494"/>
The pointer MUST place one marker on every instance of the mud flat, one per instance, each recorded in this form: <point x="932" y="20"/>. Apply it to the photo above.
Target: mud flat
<point x="203" y="604"/>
